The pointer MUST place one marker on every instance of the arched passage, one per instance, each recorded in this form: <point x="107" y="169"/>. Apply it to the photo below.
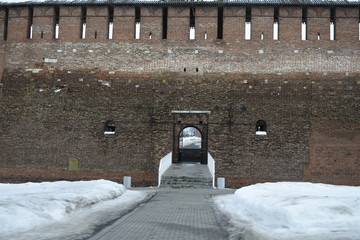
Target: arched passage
<point x="190" y="143"/>
<point x="186" y="119"/>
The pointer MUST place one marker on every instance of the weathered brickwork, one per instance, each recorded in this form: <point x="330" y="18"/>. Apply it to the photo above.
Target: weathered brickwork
<point x="56" y="95"/>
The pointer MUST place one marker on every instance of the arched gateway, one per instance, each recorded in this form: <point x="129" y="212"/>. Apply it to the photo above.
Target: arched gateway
<point x="185" y="119"/>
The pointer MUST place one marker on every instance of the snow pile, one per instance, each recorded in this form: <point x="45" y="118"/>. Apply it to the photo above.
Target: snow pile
<point x="191" y="142"/>
<point x="60" y="209"/>
<point x="294" y="211"/>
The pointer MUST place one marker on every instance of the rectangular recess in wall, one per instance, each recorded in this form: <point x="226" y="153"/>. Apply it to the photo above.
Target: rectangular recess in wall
<point x="304" y="24"/>
<point x="164" y="22"/>
<point x="30" y="23"/>
<point x="303" y="31"/>
<point x="56" y="22"/>
<point x="332" y="31"/>
<point x="137" y="22"/>
<point x="83" y="22"/>
<point x="276" y="31"/>
<point x="248" y="23"/>
<point x="276" y="24"/>
<point x="6" y="23"/>
<point x="220" y="23"/>
<point x="332" y="23"/>
<point x="192" y="24"/>
<point x="110" y="22"/>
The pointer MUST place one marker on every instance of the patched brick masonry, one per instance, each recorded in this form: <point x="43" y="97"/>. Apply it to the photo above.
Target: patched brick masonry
<point x="42" y="128"/>
<point x="57" y="95"/>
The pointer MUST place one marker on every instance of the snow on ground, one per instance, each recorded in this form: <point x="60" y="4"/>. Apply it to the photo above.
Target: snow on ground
<point x="293" y="211"/>
<point x="61" y="210"/>
<point x="191" y="142"/>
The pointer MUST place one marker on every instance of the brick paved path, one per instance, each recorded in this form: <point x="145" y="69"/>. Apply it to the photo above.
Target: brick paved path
<point x="186" y="214"/>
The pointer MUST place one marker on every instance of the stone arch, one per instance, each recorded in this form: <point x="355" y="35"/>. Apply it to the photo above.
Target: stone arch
<point x="325" y="13"/>
<point x="340" y="12"/>
<point x="285" y="12"/>
<point x="190" y="145"/>
<point x="295" y="12"/>
<point x="185" y="119"/>
<point x="311" y="12"/>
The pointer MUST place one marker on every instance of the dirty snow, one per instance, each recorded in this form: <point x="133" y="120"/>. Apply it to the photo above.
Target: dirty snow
<point x="293" y="211"/>
<point x="61" y="210"/>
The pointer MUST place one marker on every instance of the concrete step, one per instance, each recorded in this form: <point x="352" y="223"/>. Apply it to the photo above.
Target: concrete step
<point x="187" y="176"/>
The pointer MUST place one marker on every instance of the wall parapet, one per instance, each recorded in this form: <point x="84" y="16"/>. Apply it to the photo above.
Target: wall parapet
<point x="151" y="23"/>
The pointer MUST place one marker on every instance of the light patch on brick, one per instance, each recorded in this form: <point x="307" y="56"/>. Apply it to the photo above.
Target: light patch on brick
<point x="50" y="60"/>
<point x="36" y="70"/>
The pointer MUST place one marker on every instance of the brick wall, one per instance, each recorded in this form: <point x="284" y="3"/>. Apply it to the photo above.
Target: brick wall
<point x="97" y="23"/>
<point x="290" y="24"/>
<point x="318" y="22"/>
<point x="178" y="23"/>
<point x="124" y="23"/>
<point x="234" y="24"/>
<point x="206" y="22"/>
<point x="70" y="23"/>
<point x="58" y="125"/>
<point x="56" y="95"/>
<point x="18" y="25"/>
<point x="151" y="23"/>
<point x="43" y="22"/>
<point x="262" y="21"/>
<point x="347" y="24"/>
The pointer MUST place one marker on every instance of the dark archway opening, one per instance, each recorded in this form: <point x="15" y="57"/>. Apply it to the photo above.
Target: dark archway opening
<point x="190" y="145"/>
<point x="188" y="120"/>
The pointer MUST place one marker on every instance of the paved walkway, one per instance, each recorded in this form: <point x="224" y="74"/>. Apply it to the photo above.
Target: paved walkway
<point x="170" y="214"/>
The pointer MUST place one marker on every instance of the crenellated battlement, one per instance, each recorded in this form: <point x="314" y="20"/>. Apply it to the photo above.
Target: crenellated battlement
<point x="197" y="23"/>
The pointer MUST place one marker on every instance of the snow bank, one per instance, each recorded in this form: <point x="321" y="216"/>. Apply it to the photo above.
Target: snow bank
<point x="191" y="143"/>
<point x="37" y="207"/>
<point x="294" y="211"/>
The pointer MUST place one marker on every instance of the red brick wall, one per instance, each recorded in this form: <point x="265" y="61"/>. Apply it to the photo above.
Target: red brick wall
<point x="318" y="22"/>
<point x="19" y="175"/>
<point x="43" y="22"/>
<point x="290" y="23"/>
<point x="347" y="24"/>
<point x="178" y="23"/>
<point x="97" y="22"/>
<point x="70" y="23"/>
<point x="262" y="21"/>
<point x="206" y="22"/>
<point x="2" y="42"/>
<point x="234" y="24"/>
<point x="2" y="23"/>
<point x="334" y="152"/>
<point x="151" y="22"/>
<point x="18" y="24"/>
<point x="124" y="23"/>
